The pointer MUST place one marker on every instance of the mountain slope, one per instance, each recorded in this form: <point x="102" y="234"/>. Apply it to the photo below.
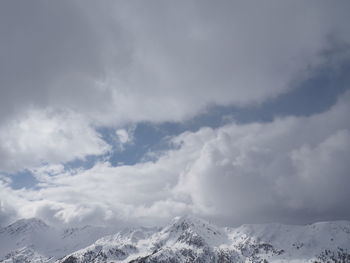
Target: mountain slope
<point x="295" y="241"/>
<point x="29" y="239"/>
<point x="186" y="239"/>
<point x="190" y="239"/>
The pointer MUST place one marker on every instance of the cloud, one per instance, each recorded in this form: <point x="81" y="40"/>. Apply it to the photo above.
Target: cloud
<point x="125" y="137"/>
<point x="293" y="169"/>
<point x="289" y="170"/>
<point x="188" y="55"/>
<point x="121" y="62"/>
<point x="69" y="67"/>
<point x="322" y="173"/>
<point x="48" y="137"/>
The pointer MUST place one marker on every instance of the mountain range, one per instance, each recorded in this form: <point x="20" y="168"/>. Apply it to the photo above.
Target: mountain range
<point x="185" y="239"/>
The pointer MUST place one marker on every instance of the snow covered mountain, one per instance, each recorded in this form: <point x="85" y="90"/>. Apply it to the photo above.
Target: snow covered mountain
<point x="186" y="239"/>
<point x="32" y="240"/>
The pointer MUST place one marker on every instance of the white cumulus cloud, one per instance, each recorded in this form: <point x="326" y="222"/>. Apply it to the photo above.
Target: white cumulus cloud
<point x="293" y="169"/>
<point x="47" y="137"/>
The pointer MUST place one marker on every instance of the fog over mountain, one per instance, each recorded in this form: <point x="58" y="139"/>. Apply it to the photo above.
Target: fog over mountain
<point x="121" y="114"/>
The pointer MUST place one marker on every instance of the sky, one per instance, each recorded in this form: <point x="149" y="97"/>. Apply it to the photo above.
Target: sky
<point x="134" y="112"/>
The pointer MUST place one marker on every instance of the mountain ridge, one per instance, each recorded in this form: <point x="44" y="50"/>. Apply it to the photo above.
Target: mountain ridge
<point x="185" y="239"/>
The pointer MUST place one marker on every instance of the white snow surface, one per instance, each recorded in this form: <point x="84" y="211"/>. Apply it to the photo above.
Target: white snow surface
<point x="186" y="239"/>
<point x="34" y="238"/>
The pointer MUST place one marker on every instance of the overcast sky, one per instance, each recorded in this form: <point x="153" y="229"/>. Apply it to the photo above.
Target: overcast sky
<point x="133" y="112"/>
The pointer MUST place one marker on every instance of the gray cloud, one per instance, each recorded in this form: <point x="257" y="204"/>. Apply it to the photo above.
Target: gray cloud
<point x="67" y="67"/>
<point x="290" y="170"/>
<point x="119" y="61"/>
<point x="293" y="169"/>
<point x="41" y="43"/>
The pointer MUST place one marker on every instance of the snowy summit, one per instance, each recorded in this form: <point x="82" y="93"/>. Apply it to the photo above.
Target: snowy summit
<point x="185" y="239"/>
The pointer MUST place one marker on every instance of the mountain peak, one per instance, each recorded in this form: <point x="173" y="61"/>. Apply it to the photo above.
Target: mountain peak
<point x="190" y="219"/>
<point x="191" y="230"/>
<point x="186" y="239"/>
